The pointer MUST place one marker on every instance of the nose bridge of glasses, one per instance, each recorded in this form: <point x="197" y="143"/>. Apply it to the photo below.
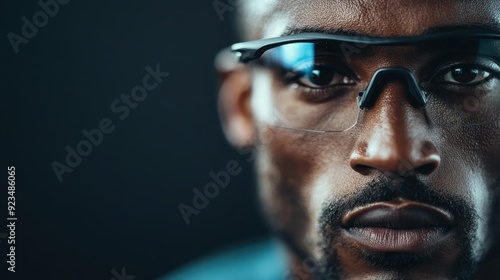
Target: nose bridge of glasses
<point x="417" y="95"/>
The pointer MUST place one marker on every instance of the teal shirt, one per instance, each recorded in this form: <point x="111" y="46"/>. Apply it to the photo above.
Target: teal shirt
<point x="256" y="261"/>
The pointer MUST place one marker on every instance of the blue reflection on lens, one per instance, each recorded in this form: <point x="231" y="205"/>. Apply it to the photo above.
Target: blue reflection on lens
<point x="292" y="55"/>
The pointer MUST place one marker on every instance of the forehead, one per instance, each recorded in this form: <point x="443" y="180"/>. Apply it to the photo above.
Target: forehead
<point x="371" y="17"/>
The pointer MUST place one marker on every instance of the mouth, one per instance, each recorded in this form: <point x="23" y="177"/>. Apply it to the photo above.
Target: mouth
<point x="397" y="226"/>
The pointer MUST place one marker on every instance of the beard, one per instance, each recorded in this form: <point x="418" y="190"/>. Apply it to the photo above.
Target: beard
<point x="328" y="266"/>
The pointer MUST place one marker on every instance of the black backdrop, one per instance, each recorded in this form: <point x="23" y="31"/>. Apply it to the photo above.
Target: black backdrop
<point x="118" y="208"/>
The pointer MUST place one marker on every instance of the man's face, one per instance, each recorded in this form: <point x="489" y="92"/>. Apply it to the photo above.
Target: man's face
<point x="394" y="197"/>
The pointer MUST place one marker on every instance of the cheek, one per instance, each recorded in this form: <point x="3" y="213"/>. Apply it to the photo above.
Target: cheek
<point x="471" y="170"/>
<point x="474" y="152"/>
<point x="284" y="170"/>
<point x="299" y="173"/>
<point x="482" y="202"/>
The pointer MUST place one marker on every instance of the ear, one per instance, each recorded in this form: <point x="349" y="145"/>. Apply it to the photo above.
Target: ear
<point x="234" y="100"/>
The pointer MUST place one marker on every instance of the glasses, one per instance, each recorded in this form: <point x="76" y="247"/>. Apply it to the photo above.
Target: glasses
<point x="322" y="82"/>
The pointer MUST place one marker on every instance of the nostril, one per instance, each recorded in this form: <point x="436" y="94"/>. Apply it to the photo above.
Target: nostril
<point x="398" y="166"/>
<point x="393" y="156"/>
<point x="430" y="159"/>
<point x="427" y="168"/>
<point x="362" y="169"/>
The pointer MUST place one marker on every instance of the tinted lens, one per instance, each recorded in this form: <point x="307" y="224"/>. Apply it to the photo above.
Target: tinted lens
<point x="465" y="89"/>
<point x="315" y="85"/>
<point x="312" y="88"/>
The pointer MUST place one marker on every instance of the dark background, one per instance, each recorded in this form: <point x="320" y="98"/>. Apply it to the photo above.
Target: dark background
<point x="119" y="207"/>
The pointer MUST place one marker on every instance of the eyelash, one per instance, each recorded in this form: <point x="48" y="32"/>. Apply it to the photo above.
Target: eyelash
<point x="493" y="74"/>
<point x="319" y="94"/>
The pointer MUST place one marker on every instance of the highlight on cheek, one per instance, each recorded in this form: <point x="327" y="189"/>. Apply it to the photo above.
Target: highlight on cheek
<point x="261" y="98"/>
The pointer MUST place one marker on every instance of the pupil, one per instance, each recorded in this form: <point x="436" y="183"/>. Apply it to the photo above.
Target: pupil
<point x="321" y="76"/>
<point x="465" y="75"/>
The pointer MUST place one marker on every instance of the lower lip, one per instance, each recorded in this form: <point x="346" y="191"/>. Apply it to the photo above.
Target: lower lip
<point x="378" y="239"/>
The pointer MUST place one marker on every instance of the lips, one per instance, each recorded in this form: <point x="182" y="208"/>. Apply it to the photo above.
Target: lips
<point x="397" y="226"/>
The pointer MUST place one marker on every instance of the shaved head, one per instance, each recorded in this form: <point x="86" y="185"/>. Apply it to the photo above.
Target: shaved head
<point x="275" y="17"/>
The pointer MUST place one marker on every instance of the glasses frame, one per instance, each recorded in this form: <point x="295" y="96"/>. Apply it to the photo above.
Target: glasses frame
<point x="252" y="50"/>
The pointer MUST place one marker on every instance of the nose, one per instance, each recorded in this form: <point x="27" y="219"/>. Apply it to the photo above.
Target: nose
<point x="395" y="137"/>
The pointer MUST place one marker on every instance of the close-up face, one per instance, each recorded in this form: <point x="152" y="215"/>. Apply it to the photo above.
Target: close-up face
<point x="392" y="189"/>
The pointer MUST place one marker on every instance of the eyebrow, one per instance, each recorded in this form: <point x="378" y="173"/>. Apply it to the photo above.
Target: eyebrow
<point x="494" y="27"/>
<point x="336" y="31"/>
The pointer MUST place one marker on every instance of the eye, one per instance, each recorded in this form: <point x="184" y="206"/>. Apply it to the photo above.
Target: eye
<point x="322" y="77"/>
<point x="465" y="75"/>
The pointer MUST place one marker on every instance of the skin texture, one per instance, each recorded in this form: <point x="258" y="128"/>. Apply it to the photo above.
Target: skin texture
<point x="392" y="153"/>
